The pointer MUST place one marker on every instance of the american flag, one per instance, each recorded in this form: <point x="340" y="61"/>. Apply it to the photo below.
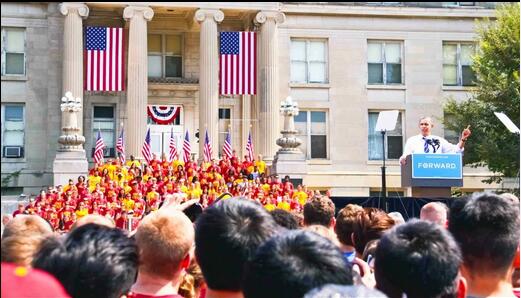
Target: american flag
<point x="173" y="149"/>
<point x="186" y="148"/>
<point x="105" y="69"/>
<point x="98" y="150"/>
<point x="207" y="148"/>
<point x="146" y="148"/>
<point x="249" y="147"/>
<point x="227" y="147"/>
<point x="238" y="63"/>
<point x="120" y="147"/>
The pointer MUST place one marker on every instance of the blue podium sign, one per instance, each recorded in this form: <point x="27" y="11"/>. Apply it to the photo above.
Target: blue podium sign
<point x="436" y="166"/>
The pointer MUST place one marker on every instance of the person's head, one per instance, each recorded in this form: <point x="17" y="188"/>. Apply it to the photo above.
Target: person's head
<point x="6" y="218"/>
<point x="418" y="259"/>
<point x="398" y="217"/>
<point x="435" y="212"/>
<point x="94" y="218"/>
<point x="426" y="124"/>
<point x="291" y="264"/>
<point x="226" y="236"/>
<point x="27" y="225"/>
<point x="164" y="239"/>
<point x="91" y="261"/>
<point x="285" y="219"/>
<point x="486" y="226"/>
<point x="337" y="291"/>
<point x="20" y="249"/>
<point x="344" y="223"/>
<point x="320" y="210"/>
<point x="324" y="232"/>
<point x="369" y="224"/>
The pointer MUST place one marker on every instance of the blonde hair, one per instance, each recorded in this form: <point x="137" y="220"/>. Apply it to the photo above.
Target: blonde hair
<point x="164" y="238"/>
<point x="192" y="281"/>
<point x="26" y="225"/>
<point x="21" y="249"/>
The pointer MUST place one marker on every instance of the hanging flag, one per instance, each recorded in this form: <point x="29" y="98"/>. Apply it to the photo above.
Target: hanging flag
<point x="249" y="147"/>
<point x="120" y="147"/>
<point x="238" y="63"/>
<point x="98" y="150"/>
<point x="146" y="148"/>
<point x="227" y="147"/>
<point x="187" y="148"/>
<point x="105" y="67"/>
<point x="164" y="115"/>
<point x="173" y="149"/>
<point x="207" y="148"/>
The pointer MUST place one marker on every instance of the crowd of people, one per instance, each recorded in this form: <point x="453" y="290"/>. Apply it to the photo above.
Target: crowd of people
<point x="125" y="193"/>
<point x="237" y="248"/>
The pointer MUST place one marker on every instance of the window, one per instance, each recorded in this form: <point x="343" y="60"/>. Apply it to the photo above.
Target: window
<point x="309" y="61"/>
<point x="312" y="131"/>
<point x="384" y="62"/>
<point x="457" y="61"/>
<point x="104" y="121"/>
<point x="165" y="58"/>
<point x="13" y="51"/>
<point x="13" y="130"/>
<point x="393" y="139"/>
<point x="224" y="126"/>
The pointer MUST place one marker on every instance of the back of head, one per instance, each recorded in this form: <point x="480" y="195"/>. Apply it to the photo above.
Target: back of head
<point x="338" y="291"/>
<point x="226" y="236"/>
<point x="369" y="225"/>
<point x="418" y="259"/>
<point x="486" y="226"/>
<point x="94" y="218"/>
<point x="20" y="249"/>
<point x="27" y="225"/>
<point x="320" y="210"/>
<point x="345" y="221"/>
<point x="397" y="217"/>
<point x="164" y="239"/>
<point x="285" y="219"/>
<point x="435" y="212"/>
<point x="292" y="263"/>
<point x="91" y="261"/>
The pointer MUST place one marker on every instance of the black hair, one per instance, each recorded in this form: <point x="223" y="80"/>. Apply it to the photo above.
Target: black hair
<point x="292" y="263"/>
<point x="419" y="259"/>
<point x="226" y="236"/>
<point x="336" y="291"/>
<point x="285" y="219"/>
<point x="486" y="226"/>
<point x="91" y="261"/>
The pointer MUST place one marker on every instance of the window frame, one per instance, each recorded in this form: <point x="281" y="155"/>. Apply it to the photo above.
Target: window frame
<point x="107" y="153"/>
<point x="4" y="51"/>
<point x="384" y="43"/>
<point x="308" y="61"/>
<point x="3" y="144"/>
<point x="401" y="116"/>
<point x="163" y="53"/>
<point x="220" y="146"/>
<point x="459" y="65"/>
<point x="308" y="133"/>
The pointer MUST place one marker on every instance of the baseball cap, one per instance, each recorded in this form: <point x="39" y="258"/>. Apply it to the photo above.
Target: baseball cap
<point x="19" y="281"/>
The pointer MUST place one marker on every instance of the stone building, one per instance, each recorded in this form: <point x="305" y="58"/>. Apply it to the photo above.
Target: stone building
<point x="342" y="62"/>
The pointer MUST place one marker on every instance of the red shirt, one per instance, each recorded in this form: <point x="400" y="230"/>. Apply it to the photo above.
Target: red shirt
<point x="138" y="295"/>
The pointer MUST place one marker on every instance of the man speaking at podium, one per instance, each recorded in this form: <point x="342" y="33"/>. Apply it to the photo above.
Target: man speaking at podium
<point x="427" y="143"/>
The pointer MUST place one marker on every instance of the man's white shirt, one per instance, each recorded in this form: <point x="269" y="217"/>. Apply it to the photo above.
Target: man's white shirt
<point x="416" y="144"/>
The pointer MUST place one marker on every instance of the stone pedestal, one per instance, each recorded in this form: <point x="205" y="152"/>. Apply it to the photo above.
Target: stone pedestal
<point x="291" y="164"/>
<point x="69" y="165"/>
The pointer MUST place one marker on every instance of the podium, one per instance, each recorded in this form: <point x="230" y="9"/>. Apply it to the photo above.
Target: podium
<point x="432" y="175"/>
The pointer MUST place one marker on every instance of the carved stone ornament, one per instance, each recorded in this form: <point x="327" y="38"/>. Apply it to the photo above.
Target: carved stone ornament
<point x="202" y="14"/>
<point x="80" y="8"/>
<point x="289" y="142"/>
<point x="70" y="140"/>
<point x="263" y="16"/>
<point x="132" y="11"/>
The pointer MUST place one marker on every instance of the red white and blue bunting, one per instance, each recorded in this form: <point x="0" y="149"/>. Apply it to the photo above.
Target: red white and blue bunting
<point x="164" y="115"/>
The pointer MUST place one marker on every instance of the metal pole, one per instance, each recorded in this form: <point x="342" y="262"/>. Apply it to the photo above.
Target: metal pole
<point x="384" y="187"/>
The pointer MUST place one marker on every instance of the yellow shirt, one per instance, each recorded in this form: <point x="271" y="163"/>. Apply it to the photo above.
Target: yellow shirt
<point x="81" y="213"/>
<point x="93" y="180"/>
<point x="266" y="187"/>
<point x="261" y="166"/>
<point x="269" y="207"/>
<point x="196" y="193"/>
<point x="112" y="169"/>
<point x="136" y="162"/>
<point x="301" y="196"/>
<point x="284" y="206"/>
<point x="127" y="204"/>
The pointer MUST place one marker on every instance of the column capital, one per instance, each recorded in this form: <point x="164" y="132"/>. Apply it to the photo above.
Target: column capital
<point x="80" y="8"/>
<point x="203" y="14"/>
<point x="277" y="16"/>
<point x="134" y="10"/>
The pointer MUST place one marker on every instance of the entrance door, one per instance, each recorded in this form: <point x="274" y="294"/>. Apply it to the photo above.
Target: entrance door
<point x="160" y="139"/>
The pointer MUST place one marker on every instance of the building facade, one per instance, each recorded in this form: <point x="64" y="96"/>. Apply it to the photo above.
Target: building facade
<point x="342" y="62"/>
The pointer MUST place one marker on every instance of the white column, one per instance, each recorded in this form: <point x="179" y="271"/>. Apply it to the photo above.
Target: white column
<point x="268" y="108"/>
<point x="208" y="77"/>
<point x="73" y="52"/>
<point x="137" y="80"/>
